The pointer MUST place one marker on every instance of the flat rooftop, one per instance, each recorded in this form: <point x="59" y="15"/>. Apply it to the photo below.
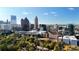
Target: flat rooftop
<point x="69" y="37"/>
<point x="31" y="32"/>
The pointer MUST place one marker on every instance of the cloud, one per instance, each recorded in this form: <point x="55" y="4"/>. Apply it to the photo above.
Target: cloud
<point x="55" y="15"/>
<point x="71" y="8"/>
<point x="53" y="12"/>
<point x="45" y="14"/>
<point x="26" y="13"/>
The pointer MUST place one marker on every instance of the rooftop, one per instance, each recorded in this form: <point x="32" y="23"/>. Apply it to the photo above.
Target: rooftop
<point x="69" y="37"/>
<point x="31" y="32"/>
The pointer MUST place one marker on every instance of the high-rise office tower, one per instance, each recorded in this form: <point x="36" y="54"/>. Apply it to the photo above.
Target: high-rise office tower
<point x="36" y="23"/>
<point x="13" y="19"/>
<point x="25" y="24"/>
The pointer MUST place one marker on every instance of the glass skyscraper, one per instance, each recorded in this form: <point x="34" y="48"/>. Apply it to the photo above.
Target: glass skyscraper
<point x="13" y="19"/>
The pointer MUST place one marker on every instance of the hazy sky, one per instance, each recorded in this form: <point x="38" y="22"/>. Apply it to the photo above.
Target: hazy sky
<point x="46" y="15"/>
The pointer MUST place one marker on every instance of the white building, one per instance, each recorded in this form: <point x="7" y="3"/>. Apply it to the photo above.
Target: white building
<point x="5" y="27"/>
<point x="33" y="32"/>
<point x="70" y="40"/>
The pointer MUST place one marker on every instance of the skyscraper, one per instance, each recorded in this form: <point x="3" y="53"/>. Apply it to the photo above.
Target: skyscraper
<point x="25" y="24"/>
<point x="13" y="19"/>
<point x="36" y="23"/>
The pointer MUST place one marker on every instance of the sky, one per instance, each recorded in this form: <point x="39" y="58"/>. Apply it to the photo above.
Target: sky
<point x="46" y="15"/>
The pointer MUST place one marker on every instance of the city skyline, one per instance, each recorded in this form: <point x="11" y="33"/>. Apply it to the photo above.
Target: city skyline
<point x="46" y="15"/>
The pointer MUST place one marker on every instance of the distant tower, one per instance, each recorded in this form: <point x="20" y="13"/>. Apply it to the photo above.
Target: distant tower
<point x="36" y="23"/>
<point x="25" y="24"/>
<point x="13" y="19"/>
<point x="7" y="21"/>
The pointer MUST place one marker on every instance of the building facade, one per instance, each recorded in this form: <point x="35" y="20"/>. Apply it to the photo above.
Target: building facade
<point x="25" y="24"/>
<point x="13" y="19"/>
<point x="43" y="27"/>
<point x="36" y="23"/>
<point x="5" y="27"/>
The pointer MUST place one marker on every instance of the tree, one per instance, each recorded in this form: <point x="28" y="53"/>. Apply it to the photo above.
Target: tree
<point x="57" y="47"/>
<point x="3" y="47"/>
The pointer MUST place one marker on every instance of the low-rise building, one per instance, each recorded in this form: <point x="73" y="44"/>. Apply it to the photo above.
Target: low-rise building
<point x="72" y="40"/>
<point x="5" y="27"/>
<point x="33" y="33"/>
